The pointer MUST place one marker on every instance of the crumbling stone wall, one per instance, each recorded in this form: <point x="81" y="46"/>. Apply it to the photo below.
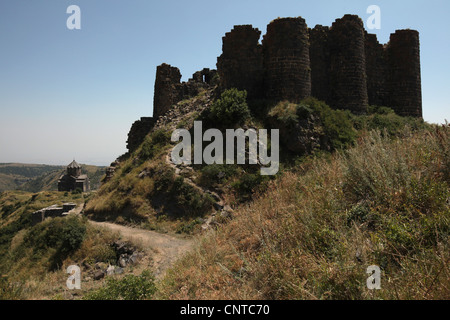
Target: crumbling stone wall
<point x="404" y="78"/>
<point x="348" y="65"/>
<point x="286" y="60"/>
<point x="169" y="90"/>
<point x="241" y="63"/>
<point x="51" y="212"/>
<point x="138" y="131"/>
<point x="319" y="53"/>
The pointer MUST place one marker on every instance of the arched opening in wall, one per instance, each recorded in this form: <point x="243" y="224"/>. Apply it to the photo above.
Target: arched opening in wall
<point x="204" y="78"/>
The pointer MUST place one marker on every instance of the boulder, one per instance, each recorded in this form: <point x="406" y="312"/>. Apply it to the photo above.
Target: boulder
<point x="100" y="274"/>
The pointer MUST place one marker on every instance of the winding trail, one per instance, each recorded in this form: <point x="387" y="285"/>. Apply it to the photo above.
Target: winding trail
<point x="165" y="249"/>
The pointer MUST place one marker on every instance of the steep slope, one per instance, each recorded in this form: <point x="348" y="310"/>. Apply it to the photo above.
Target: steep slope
<point x="316" y="230"/>
<point x="146" y="189"/>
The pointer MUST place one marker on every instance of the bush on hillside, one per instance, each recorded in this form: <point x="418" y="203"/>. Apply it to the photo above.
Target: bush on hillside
<point x="153" y="144"/>
<point x="130" y="287"/>
<point x="230" y="109"/>
<point x="314" y="120"/>
<point x="59" y="236"/>
<point x="386" y="120"/>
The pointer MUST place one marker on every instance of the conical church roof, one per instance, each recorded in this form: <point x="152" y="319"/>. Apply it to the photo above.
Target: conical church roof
<point x="74" y="165"/>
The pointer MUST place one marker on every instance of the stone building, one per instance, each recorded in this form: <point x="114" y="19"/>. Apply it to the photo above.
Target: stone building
<point x="74" y="179"/>
<point x="286" y="60"/>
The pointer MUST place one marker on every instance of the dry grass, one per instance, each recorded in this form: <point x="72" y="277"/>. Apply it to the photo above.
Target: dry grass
<point x="312" y="235"/>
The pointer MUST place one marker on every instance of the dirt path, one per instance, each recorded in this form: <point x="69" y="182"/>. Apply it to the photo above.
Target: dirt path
<point x="164" y="249"/>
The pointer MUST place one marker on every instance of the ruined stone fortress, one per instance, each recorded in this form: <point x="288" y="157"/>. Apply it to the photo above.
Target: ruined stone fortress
<point x="342" y="65"/>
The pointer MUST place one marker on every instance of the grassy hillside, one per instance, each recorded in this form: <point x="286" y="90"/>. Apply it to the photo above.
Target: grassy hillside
<point x="316" y="229"/>
<point x="33" y="259"/>
<point x="145" y="189"/>
<point x="373" y="191"/>
<point x="352" y="191"/>
<point x="10" y="182"/>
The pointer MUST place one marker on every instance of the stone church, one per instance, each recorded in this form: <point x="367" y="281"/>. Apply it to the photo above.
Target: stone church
<point x="74" y="179"/>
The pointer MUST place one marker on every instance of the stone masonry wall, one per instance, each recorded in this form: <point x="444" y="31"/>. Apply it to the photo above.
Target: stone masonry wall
<point x="169" y="90"/>
<point x="376" y="70"/>
<point x="319" y="53"/>
<point x="404" y="78"/>
<point x="286" y="60"/>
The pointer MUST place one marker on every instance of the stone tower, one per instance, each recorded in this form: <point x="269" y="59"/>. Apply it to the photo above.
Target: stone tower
<point x="348" y="65"/>
<point x="241" y="63"/>
<point x="74" y="169"/>
<point x="286" y="60"/>
<point x="166" y="93"/>
<point x="404" y="79"/>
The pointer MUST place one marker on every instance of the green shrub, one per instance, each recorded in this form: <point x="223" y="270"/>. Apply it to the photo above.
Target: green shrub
<point x="190" y="199"/>
<point x="188" y="227"/>
<point x="130" y="287"/>
<point x="230" y="109"/>
<point x="380" y="110"/>
<point x="362" y="213"/>
<point x="59" y="236"/>
<point x="10" y="230"/>
<point x="164" y="179"/>
<point x="214" y="174"/>
<point x="248" y="184"/>
<point x="153" y="144"/>
<point x="387" y="121"/>
<point x="77" y="191"/>
<point x="337" y="124"/>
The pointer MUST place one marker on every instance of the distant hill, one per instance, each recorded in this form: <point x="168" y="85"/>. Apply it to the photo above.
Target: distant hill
<point x="14" y="175"/>
<point x="36" y="177"/>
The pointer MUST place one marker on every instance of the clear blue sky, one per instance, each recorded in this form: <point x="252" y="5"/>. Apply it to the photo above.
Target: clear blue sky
<point x="68" y="94"/>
